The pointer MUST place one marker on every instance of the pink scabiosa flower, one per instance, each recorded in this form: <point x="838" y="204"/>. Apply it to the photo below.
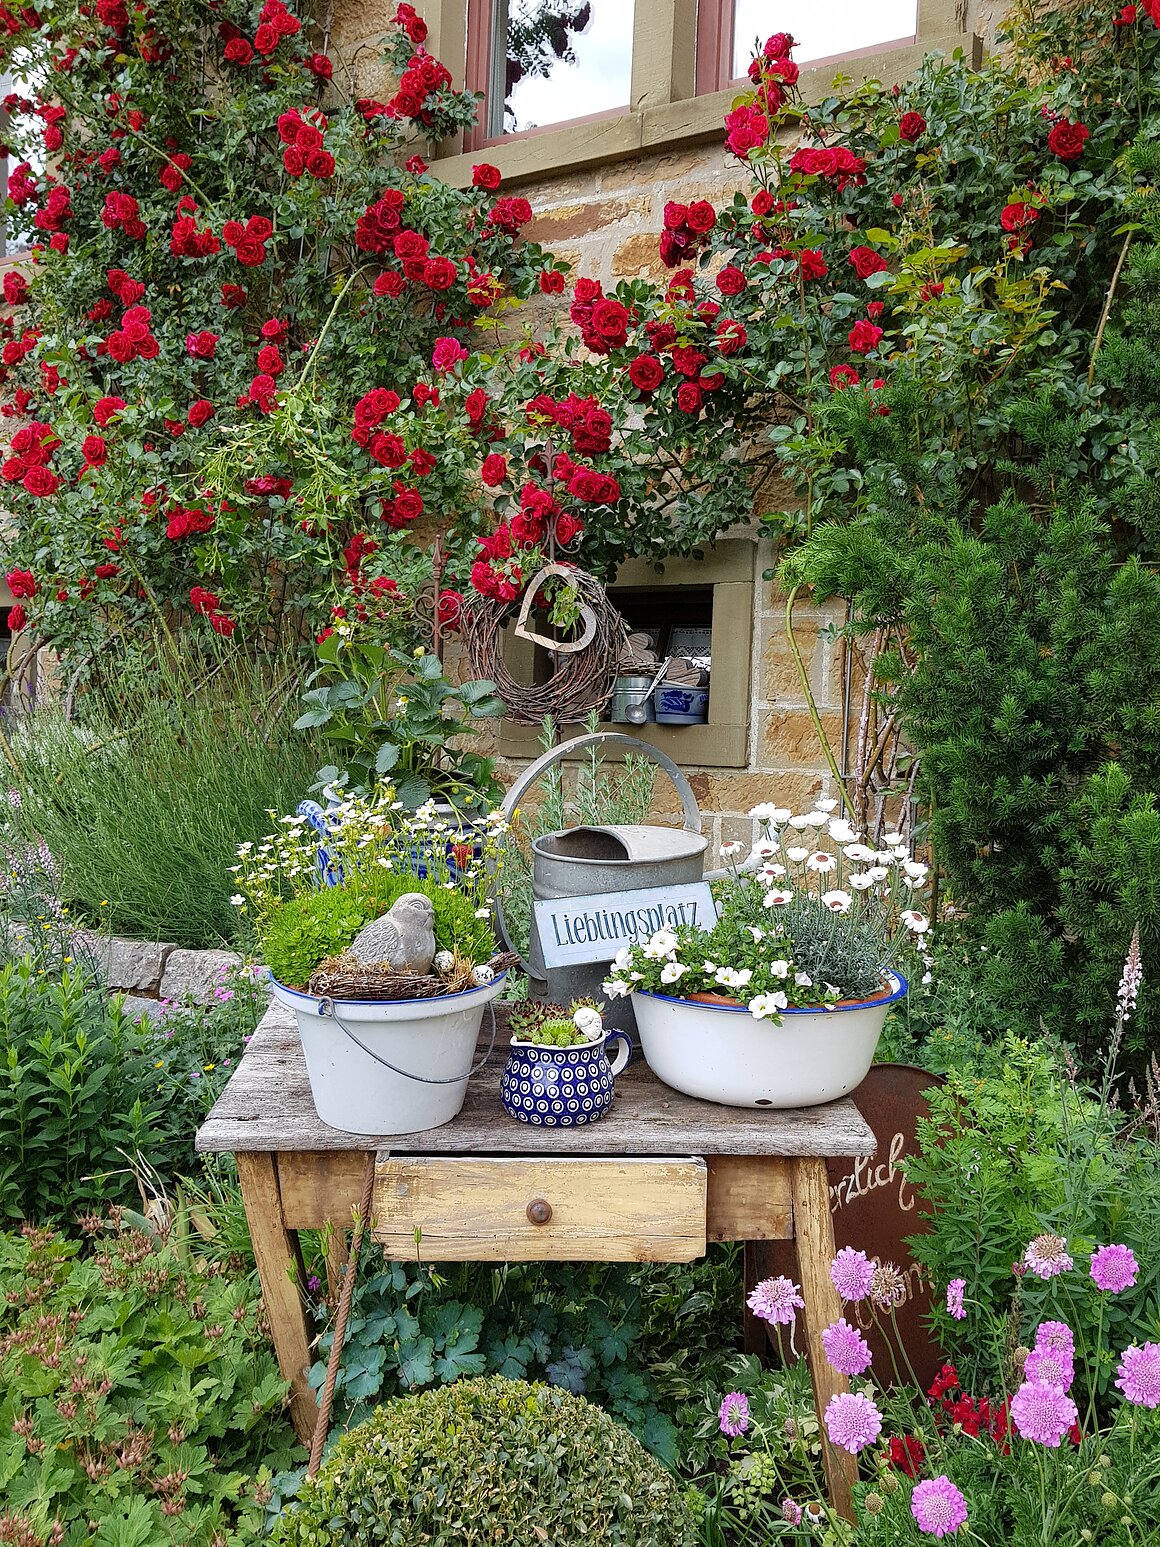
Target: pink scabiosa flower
<point x="1138" y="1375"/>
<point x="1057" y="1336"/>
<point x="852" y="1421"/>
<point x="791" y="1513"/>
<point x="1047" y="1256"/>
<point x="846" y="1348"/>
<point x="1052" y="1366"/>
<point x="1043" y="1413"/>
<point x="1114" y="1268"/>
<point x="733" y="1414"/>
<point x="955" y="1298"/>
<point x="938" y="1507"/>
<point x="775" y="1300"/>
<point x="852" y="1273"/>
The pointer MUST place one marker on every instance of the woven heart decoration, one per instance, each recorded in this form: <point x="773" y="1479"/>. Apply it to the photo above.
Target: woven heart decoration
<point x="587" y="616"/>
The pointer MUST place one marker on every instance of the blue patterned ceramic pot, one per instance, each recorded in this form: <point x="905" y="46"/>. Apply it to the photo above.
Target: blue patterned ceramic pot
<point x="562" y="1087"/>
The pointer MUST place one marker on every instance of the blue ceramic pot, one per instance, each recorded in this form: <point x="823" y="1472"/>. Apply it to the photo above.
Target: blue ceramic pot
<point x="562" y="1087"/>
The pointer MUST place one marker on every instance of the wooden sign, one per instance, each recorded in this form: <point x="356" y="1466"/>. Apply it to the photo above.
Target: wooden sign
<point x="874" y="1209"/>
<point x="593" y="929"/>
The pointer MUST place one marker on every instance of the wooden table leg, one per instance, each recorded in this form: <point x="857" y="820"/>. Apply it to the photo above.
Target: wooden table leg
<point x="813" y="1231"/>
<point x="280" y="1269"/>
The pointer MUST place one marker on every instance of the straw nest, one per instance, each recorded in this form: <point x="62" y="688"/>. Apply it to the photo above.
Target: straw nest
<point x="345" y="977"/>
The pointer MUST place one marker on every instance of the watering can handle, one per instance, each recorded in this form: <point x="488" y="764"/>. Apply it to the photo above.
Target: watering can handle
<point x="534" y="770"/>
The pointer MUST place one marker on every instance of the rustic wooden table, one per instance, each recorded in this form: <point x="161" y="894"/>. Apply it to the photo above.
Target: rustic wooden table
<point x="655" y="1180"/>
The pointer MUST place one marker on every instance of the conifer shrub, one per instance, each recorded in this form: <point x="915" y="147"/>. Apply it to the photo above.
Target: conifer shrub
<point x="489" y="1460"/>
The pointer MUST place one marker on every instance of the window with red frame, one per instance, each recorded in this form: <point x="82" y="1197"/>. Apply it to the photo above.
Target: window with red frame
<point x="729" y="32"/>
<point x="545" y="62"/>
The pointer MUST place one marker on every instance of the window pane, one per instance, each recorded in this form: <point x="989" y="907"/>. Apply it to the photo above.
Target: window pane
<point x="822" y="28"/>
<point x="562" y="61"/>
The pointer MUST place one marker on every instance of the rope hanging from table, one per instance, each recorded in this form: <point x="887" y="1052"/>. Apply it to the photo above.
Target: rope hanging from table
<point x="582" y="680"/>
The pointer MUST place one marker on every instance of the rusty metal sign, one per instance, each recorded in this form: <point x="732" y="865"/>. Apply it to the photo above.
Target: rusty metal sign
<point x="874" y="1209"/>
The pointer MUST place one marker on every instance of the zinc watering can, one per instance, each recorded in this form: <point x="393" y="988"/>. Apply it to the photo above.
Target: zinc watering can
<point x="589" y="861"/>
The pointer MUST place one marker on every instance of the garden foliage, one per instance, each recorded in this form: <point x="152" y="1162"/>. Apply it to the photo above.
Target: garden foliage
<point x="139" y="1399"/>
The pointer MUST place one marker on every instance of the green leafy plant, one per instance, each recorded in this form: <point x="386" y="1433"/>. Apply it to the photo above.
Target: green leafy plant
<point x="139" y="1399"/>
<point x="77" y="1096"/>
<point x="391" y="714"/>
<point x="494" y="1459"/>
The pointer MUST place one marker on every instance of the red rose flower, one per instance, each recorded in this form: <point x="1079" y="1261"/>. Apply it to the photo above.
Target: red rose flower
<point x="447" y="354"/>
<point x="866" y="262"/>
<point x="1016" y="217"/>
<point x="16" y="288"/>
<point x="266" y="39"/>
<point x="238" y="51"/>
<point x="552" y="282"/>
<point x="41" y="481"/>
<point x="812" y="264"/>
<point x="22" y="583"/>
<point x="911" y="127"/>
<point x="485" y="176"/>
<point x="843" y="376"/>
<point x="105" y="408"/>
<point x="702" y="217"/>
<point x="95" y="450"/>
<point x="1066" y="140"/>
<point x="731" y="281"/>
<point x="494" y="470"/>
<point x="689" y="397"/>
<point x="200" y="413"/>
<point x="449" y="609"/>
<point x="221" y="624"/>
<point x="106" y="571"/>
<point x="201" y="346"/>
<point x="864" y="337"/>
<point x="17" y="618"/>
<point x="233" y="297"/>
<point x="408" y="504"/>
<point x="731" y="336"/>
<point x="568" y="528"/>
<point x="250" y="255"/>
<point x="390" y="284"/>
<point x="439" y="273"/>
<point x="319" y="66"/>
<point x="646" y="373"/>
<point x="762" y="203"/>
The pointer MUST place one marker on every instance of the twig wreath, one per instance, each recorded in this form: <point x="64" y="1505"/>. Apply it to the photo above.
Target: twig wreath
<point x="585" y="667"/>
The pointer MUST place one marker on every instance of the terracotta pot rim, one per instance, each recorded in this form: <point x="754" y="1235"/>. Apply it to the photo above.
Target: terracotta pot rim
<point x="714" y="1001"/>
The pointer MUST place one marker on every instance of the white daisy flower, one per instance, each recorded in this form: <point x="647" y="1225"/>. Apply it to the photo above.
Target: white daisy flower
<point x="821" y="863"/>
<point x="841" y="831"/>
<point x="860" y="882"/>
<point x="837" y="902"/>
<point x="728" y="850"/>
<point x="916" y="922"/>
<point x="767" y="812"/>
<point x="825" y="805"/>
<point x="796" y="855"/>
<point x="777" y="897"/>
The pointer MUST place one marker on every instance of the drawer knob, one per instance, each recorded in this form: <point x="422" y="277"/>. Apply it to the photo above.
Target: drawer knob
<point x="539" y="1211"/>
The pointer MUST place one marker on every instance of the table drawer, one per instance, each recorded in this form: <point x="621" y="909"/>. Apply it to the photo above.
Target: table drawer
<point x="492" y="1209"/>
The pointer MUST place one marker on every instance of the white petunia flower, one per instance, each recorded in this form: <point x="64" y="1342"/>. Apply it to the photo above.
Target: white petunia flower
<point x="613" y="988"/>
<point x="837" y="902"/>
<point x="780" y="969"/>
<point x="622" y="959"/>
<point x="765" y="1006"/>
<point x="757" y="932"/>
<point x="237" y="900"/>
<point x="709" y="967"/>
<point x="893" y="839"/>
<point x="803" y="980"/>
<point x="733" y="977"/>
<point x="661" y="943"/>
<point x="777" y="897"/>
<point x="673" y="972"/>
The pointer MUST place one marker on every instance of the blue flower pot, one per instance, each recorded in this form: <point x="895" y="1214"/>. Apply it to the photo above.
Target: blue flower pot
<point x="562" y="1087"/>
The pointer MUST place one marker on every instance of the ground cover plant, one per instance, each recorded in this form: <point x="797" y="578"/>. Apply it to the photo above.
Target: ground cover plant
<point x="140" y="1401"/>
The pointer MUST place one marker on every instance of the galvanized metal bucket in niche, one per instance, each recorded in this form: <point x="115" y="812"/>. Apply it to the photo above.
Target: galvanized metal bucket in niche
<point x="589" y="861"/>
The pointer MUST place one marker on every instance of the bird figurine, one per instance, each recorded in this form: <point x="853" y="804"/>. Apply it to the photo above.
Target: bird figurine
<point x="403" y="936"/>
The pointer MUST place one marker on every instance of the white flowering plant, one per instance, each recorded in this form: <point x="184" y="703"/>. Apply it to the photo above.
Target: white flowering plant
<point x="306" y="895"/>
<point x="813" y="915"/>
